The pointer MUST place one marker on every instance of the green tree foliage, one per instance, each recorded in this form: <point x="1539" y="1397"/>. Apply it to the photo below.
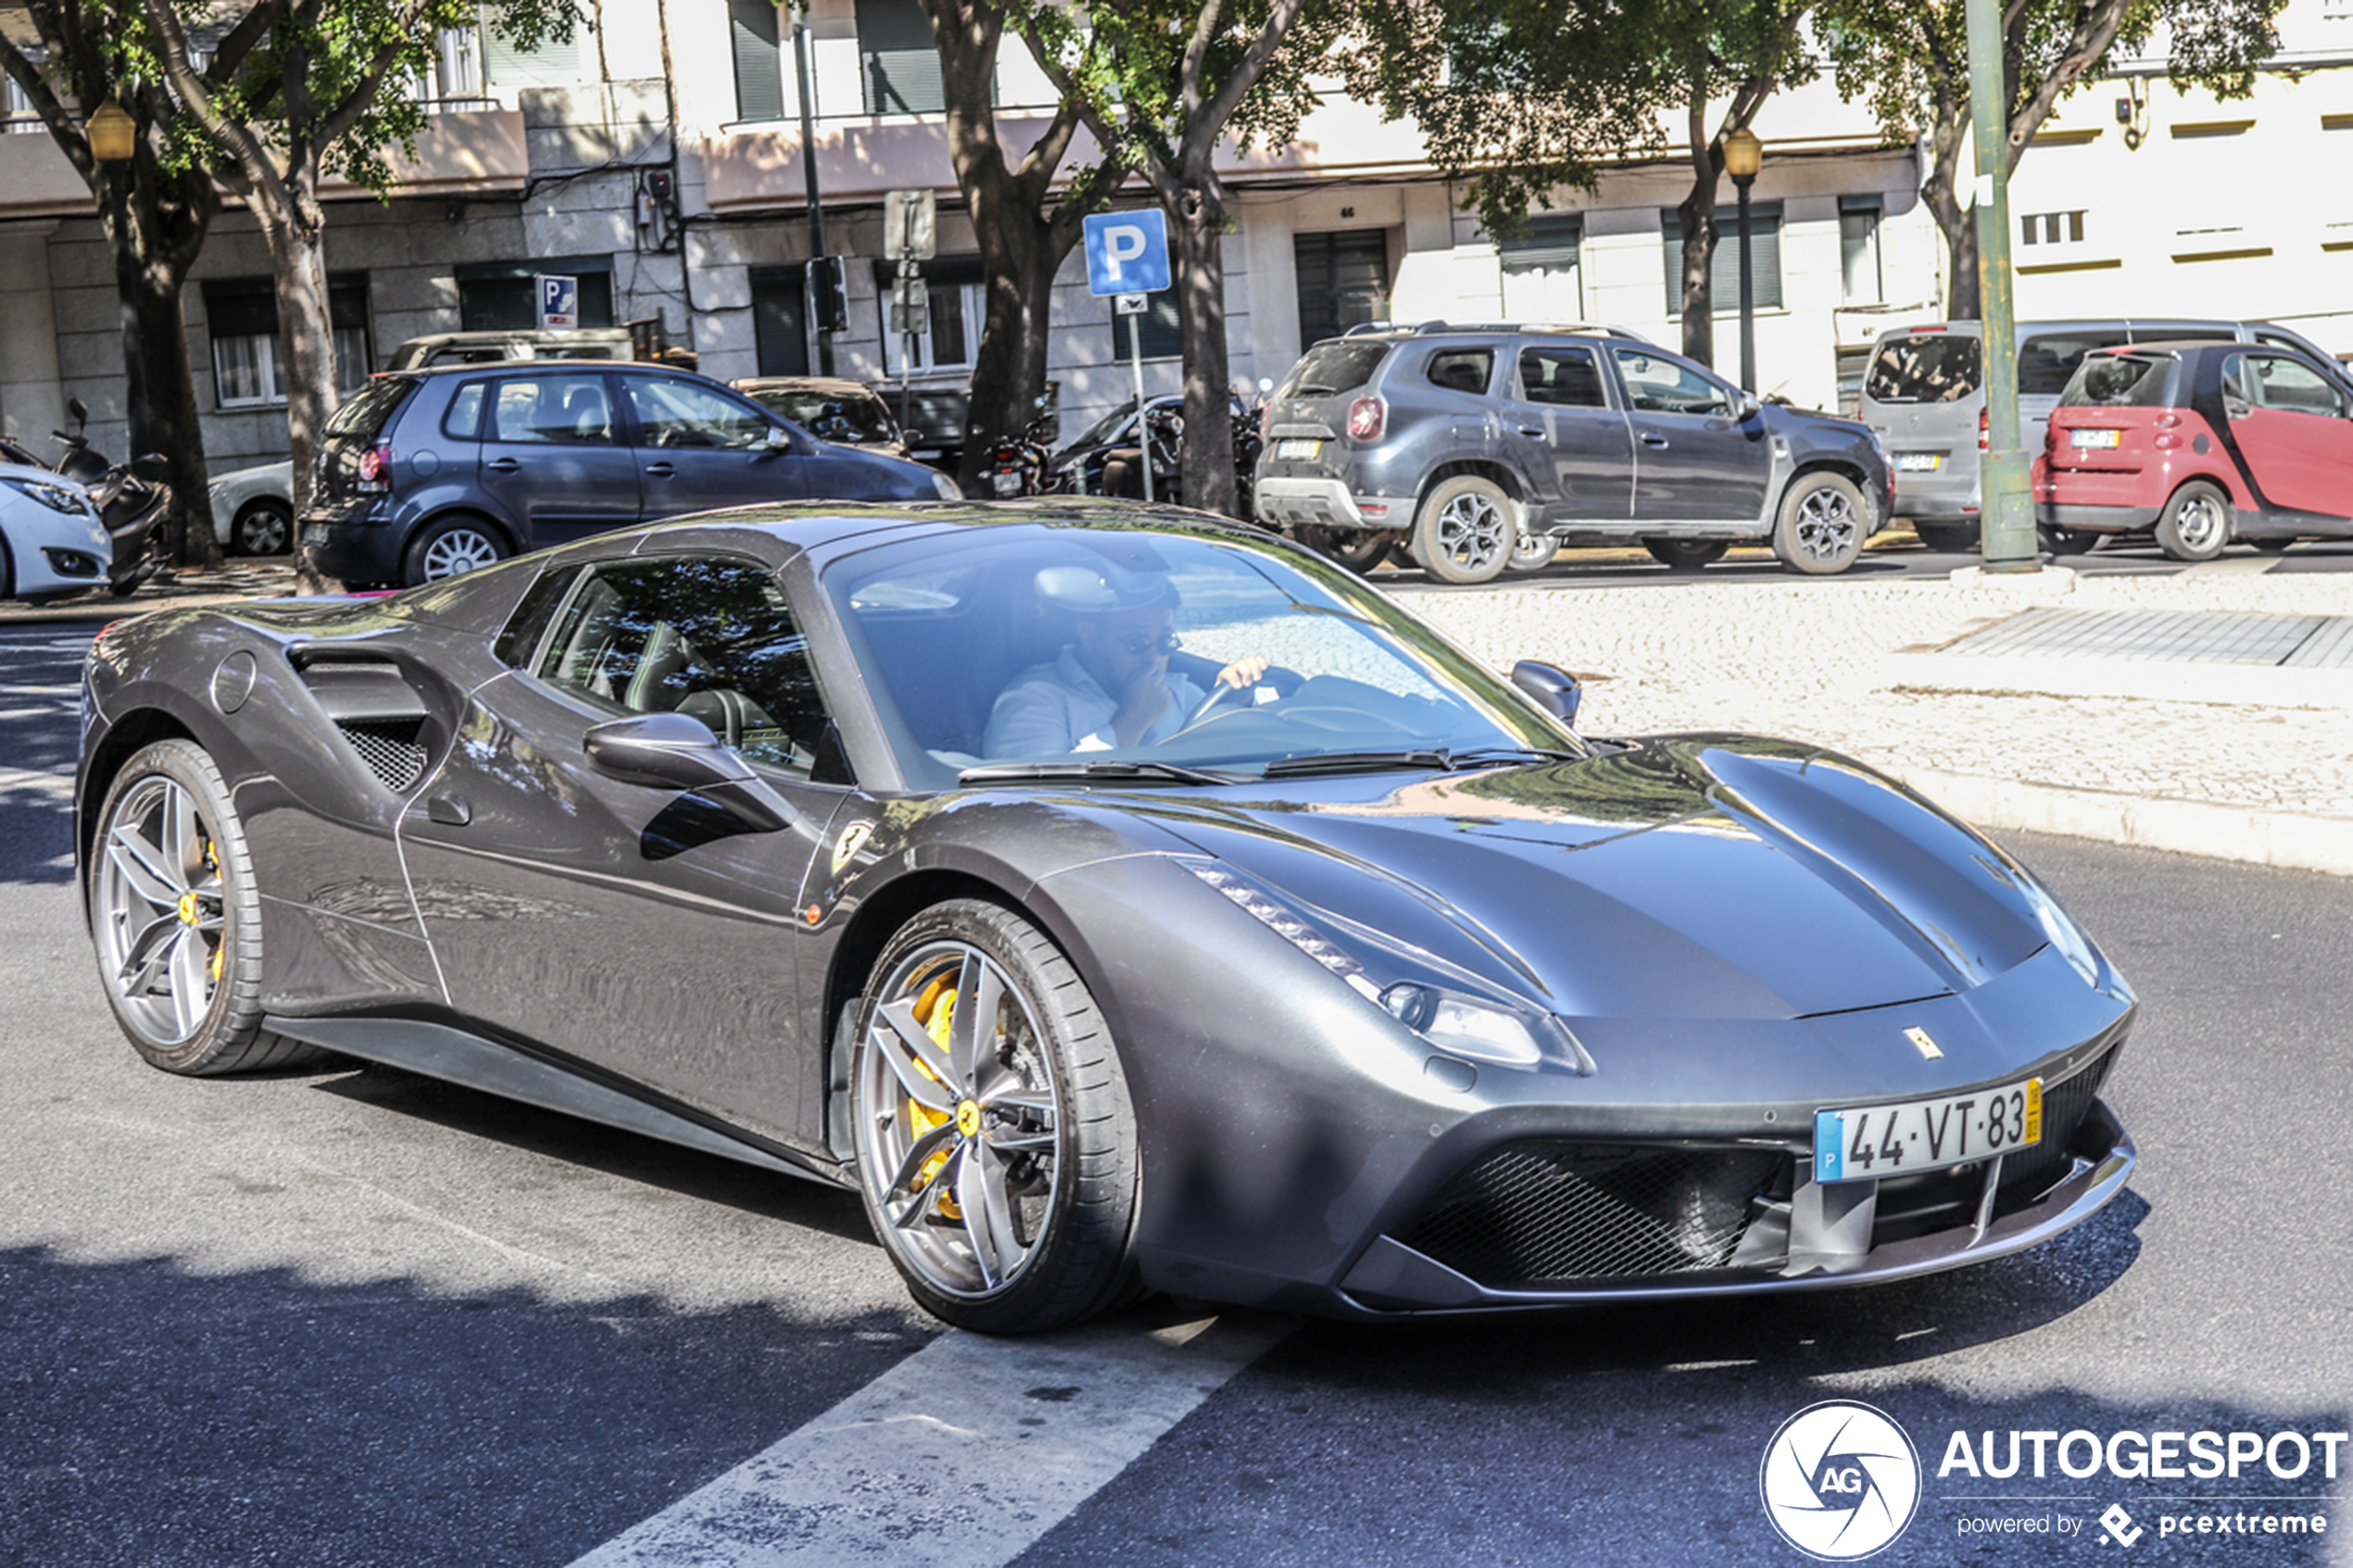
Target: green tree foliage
<point x="1160" y="82"/>
<point x="1908" y="60"/>
<point x="317" y="96"/>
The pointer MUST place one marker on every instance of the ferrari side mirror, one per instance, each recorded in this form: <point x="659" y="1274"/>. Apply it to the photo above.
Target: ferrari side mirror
<point x="1555" y="689"/>
<point x="676" y="751"/>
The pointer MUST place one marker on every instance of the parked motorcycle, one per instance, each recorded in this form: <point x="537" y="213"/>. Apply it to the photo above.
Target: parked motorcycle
<point x="1017" y="464"/>
<point x="1108" y="460"/>
<point x="132" y="501"/>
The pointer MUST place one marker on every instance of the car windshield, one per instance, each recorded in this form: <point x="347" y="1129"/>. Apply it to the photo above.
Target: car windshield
<point x="2121" y="381"/>
<point x="1102" y="429"/>
<point x="830" y="415"/>
<point x="1016" y="646"/>
<point x="1924" y="368"/>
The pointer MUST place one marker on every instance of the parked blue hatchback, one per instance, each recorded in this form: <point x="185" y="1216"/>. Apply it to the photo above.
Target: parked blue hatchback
<point x="426" y="474"/>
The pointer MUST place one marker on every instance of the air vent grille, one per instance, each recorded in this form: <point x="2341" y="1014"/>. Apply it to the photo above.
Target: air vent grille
<point x="390" y="749"/>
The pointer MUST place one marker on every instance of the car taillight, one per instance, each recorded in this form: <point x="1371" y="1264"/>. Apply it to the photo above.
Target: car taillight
<point x="375" y="467"/>
<point x="1366" y="418"/>
<point x="1984" y="429"/>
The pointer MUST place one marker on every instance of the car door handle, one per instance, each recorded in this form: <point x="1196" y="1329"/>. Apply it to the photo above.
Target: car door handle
<point x="450" y="811"/>
<point x="659" y="471"/>
<point x="1652" y="438"/>
<point x="501" y="465"/>
<point x="1536" y="431"/>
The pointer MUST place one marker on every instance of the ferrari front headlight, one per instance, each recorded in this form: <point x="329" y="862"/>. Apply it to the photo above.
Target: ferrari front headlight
<point x="1465" y="1026"/>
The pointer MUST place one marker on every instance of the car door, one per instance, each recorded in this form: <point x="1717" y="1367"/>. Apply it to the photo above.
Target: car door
<point x="1561" y="429"/>
<point x="646" y="933"/>
<point x="552" y="458"/>
<point x="1695" y="460"/>
<point x="699" y="447"/>
<point x="2290" y="424"/>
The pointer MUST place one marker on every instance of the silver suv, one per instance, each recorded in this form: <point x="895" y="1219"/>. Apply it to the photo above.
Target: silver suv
<point x="1484" y="448"/>
<point x="1923" y="393"/>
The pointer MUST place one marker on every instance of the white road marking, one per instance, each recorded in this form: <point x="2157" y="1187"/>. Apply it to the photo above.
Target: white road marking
<point x="958" y="1457"/>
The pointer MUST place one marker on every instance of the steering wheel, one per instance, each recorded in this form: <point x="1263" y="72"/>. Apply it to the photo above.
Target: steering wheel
<point x="1222" y="698"/>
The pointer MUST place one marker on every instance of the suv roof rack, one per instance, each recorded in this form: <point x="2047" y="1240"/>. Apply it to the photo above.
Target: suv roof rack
<point x="1582" y="329"/>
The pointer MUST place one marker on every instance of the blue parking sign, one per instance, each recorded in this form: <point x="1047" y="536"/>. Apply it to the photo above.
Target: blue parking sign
<point x="559" y="301"/>
<point x="1126" y="252"/>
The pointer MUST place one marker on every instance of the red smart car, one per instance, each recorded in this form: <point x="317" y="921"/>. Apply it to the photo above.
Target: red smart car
<point x="2203" y="442"/>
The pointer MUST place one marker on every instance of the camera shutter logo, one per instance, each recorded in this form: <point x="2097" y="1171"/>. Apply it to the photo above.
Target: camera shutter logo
<point x="1839" y="1480"/>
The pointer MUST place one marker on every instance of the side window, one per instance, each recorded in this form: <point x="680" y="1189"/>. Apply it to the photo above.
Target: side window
<point x="1461" y="370"/>
<point x="2291" y="387"/>
<point x="463" y="421"/>
<point x="682" y="413"/>
<point x="1569" y="377"/>
<point x="1655" y="384"/>
<point x="552" y="410"/>
<point x="710" y="638"/>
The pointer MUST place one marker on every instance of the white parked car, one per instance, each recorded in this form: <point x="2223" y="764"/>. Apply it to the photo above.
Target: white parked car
<point x="51" y="541"/>
<point x="253" y="511"/>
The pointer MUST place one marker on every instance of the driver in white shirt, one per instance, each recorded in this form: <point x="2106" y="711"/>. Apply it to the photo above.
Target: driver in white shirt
<point x="1110" y="686"/>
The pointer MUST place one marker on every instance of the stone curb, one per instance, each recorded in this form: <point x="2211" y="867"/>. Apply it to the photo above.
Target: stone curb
<point x="2288" y="840"/>
<point x="2237" y="685"/>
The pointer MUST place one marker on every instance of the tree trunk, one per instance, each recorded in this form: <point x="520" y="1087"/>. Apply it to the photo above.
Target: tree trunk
<point x="167" y="423"/>
<point x="1947" y="134"/>
<point x="1197" y="227"/>
<point x="1698" y="215"/>
<point x="1009" y="366"/>
<point x="306" y="343"/>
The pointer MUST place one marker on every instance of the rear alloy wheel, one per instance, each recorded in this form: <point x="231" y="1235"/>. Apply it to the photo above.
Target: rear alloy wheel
<point x="176" y="920"/>
<point x="1686" y="555"/>
<point x="450" y="547"/>
<point x="262" y="528"/>
<point x="996" y="1143"/>
<point x="1822" y="525"/>
<point x="2065" y="541"/>
<point x="2195" y="524"/>
<point x="1467" y="530"/>
<point x="1534" y="552"/>
<point x="1948" y="538"/>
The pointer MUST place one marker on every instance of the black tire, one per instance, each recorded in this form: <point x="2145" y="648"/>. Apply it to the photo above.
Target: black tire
<point x="449" y="547"/>
<point x="263" y="527"/>
<point x="1948" y="538"/>
<point x="2065" y="541"/>
<point x="1822" y="525"/>
<point x="1686" y="555"/>
<point x="1356" y="549"/>
<point x="147" y="859"/>
<point x="1465" y="531"/>
<point x="2269" y="546"/>
<point x="1533" y="553"/>
<point x="2196" y="522"/>
<point x="1048" y="1057"/>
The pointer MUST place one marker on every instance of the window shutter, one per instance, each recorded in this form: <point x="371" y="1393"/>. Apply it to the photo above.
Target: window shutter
<point x="899" y="64"/>
<point x="1549" y="241"/>
<point x="760" y="73"/>
<point x="555" y="63"/>
<point x="1724" y="268"/>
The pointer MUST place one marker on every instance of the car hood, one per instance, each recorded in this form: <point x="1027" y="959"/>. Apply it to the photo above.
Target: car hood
<point x="1697" y="876"/>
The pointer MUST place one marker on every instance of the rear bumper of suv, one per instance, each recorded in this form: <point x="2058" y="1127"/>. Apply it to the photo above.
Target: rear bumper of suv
<point x="1326" y="503"/>
<point x="355" y="546"/>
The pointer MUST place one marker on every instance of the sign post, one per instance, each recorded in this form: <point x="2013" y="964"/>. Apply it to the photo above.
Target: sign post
<point x="910" y="233"/>
<point x="558" y="300"/>
<point x="1127" y="257"/>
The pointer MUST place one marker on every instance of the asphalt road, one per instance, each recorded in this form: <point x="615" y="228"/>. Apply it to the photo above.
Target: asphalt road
<point x="356" y="1317"/>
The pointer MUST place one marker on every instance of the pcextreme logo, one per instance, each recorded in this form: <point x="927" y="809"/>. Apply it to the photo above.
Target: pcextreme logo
<point x="1839" y="1480"/>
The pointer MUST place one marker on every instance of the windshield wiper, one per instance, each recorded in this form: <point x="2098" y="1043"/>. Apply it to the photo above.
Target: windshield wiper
<point x="1438" y="760"/>
<point x="1033" y="773"/>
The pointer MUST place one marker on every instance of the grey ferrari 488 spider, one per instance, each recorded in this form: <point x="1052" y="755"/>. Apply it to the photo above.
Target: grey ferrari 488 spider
<point x="1116" y="900"/>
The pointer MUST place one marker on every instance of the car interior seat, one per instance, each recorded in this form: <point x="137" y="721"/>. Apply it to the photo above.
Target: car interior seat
<point x="587" y="415"/>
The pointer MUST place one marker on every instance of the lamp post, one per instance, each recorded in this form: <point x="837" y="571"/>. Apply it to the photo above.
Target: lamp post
<point x="1743" y="155"/>
<point x="817" y="253"/>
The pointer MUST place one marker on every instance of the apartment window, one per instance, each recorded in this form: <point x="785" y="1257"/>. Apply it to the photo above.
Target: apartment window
<point x="241" y="317"/>
<point x="553" y="62"/>
<point x="1724" y="266"/>
<point x="1542" y="270"/>
<point x="2051" y="228"/>
<point x="22" y="116"/>
<point x="752" y="27"/>
<point x="453" y="81"/>
<point x="1343" y="281"/>
<point x="897" y="62"/>
<point x="1164" y="327"/>
<point x="499" y="296"/>
<point x="1861" y="274"/>
<point x="957" y="308"/>
<point x="779" y="317"/>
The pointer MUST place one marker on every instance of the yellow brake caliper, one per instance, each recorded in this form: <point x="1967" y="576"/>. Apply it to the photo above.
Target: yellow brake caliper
<point x="936" y="1010"/>
<point x="220" y="948"/>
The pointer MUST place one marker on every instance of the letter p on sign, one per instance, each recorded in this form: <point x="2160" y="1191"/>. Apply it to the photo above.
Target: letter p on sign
<point x="1126" y="252"/>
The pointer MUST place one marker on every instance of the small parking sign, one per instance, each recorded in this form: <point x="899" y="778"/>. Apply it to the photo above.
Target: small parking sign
<point x="1126" y="252"/>
<point x="559" y="301"/>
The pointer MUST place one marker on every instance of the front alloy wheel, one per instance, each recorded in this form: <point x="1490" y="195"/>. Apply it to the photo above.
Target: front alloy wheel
<point x="996" y="1147"/>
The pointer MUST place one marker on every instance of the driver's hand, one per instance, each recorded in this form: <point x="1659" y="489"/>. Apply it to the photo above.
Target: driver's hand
<point x="1241" y="672"/>
<point x="1142" y="702"/>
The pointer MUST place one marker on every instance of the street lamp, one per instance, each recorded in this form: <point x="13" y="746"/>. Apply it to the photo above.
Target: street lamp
<point x="113" y="135"/>
<point x="1743" y="155"/>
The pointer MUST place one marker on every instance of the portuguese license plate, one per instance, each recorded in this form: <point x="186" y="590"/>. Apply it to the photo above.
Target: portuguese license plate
<point x="1927" y="1135"/>
<point x="2083" y="440"/>
<point x="1919" y="462"/>
<point x="1298" y="451"/>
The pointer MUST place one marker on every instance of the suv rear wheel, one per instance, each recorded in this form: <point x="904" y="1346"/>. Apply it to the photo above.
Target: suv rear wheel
<point x="1467" y="530"/>
<point x="1824" y="523"/>
<point x="1686" y="555"/>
